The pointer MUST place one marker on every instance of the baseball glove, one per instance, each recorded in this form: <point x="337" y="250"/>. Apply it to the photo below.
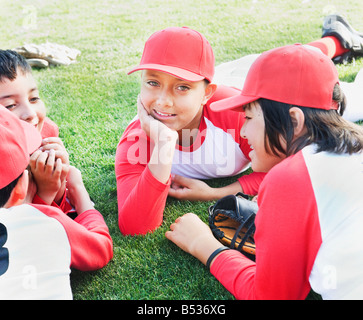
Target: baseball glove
<point x="232" y="221"/>
<point x="48" y="54"/>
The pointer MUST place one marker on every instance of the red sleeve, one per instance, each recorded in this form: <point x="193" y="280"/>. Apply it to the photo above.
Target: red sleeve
<point x="50" y="129"/>
<point x="287" y="239"/>
<point x="65" y="206"/>
<point x="250" y="183"/>
<point x="88" y="235"/>
<point x="141" y="198"/>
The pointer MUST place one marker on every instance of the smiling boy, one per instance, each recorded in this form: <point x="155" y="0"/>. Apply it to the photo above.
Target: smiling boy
<point x="176" y="133"/>
<point x="19" y="94"/>
<point x="39" y="244"/>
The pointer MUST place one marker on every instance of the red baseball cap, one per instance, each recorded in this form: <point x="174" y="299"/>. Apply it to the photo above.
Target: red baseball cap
<point x="179" y="51"/>
<point x="18" y="140"/>
<point x="297" y="74"/>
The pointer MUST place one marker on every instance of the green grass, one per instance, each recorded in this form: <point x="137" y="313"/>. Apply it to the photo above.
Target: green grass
<point x="93" y="101"/>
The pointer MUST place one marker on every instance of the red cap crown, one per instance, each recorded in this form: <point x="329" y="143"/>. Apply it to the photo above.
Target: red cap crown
<point x="181" y="52"/>
<point x="296" y="74"/>
<point x="18" y="140"/>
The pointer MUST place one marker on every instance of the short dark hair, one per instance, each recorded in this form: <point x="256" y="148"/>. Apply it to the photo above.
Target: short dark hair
<point x="326" y="128"/>
<point x="6" y="191"/>
<point x="11" y="63"/>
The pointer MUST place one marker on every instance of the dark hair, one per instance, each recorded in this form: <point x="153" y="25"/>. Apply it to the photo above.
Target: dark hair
<point x="6" y="191"/>
<point x="11" y="63"/>
<point x="326" y="128"/>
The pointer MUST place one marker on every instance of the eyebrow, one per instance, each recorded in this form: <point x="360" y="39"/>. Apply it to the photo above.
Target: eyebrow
<point x="14" y="95"/>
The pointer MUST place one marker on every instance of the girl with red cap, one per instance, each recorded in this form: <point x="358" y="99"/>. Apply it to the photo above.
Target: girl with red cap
<point x="308" y="225"/>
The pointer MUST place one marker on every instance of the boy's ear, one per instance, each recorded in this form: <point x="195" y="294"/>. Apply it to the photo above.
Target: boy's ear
<point x="298" y="120"/>
<point x="19" y="192"/>
<point x="209" y="92"/>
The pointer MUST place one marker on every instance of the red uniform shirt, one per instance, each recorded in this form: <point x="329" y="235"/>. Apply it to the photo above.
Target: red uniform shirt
<point x="308" y="232"/>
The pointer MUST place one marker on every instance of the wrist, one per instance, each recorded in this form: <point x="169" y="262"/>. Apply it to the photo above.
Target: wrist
<point x="81" y="200"/>
<point x="47" y="197"/>
<point x="204" y="246"/>
<point x="60" y="194"/>
<point x="161" y="159"/>
<point x="233" y="188"/>
<point x="214" y="254"/>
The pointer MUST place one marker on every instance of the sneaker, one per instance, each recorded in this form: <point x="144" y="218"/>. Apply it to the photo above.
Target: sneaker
<point x="337" y="26"/>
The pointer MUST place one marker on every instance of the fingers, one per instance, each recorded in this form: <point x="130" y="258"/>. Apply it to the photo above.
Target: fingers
<point x="38" y="160"/>
<point x="141" y="108"/>
<point x="54" y="140"/>
<point x="46" y="162"/>
<point x="33" y="159"/>
<point x="58" y="168"/>
<point x="56" y="144"/>
<point x="185" y="231"/>
<point x="140" y="103"/>
<point x="144" y="116"/>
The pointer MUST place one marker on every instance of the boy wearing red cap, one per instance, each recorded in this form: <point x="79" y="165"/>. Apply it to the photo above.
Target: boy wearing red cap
<point x="176" y="132"/>
<point x="39" y="244"/>
<point x="20" y="95"/>
<point x="308" y="225"/>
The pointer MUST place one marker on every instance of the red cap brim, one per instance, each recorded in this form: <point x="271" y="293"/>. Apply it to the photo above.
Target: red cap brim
<point x="234" y="103"/>
<point x="174" y="71"/>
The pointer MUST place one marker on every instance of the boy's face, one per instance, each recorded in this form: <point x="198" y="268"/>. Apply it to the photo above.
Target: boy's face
<point x="175" y="102"/>
<point x="254" y="131"/>
<point x="21" y="96"/>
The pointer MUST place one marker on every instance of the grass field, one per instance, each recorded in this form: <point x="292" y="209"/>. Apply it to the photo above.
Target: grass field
<point x="93" y="100"/>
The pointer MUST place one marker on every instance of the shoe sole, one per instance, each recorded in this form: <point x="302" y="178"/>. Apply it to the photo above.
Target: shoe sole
<point x="336" y="25"/>
<point x="336" y="17"/>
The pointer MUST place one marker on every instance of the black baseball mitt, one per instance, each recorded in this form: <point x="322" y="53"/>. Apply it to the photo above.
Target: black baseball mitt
<point x="232" y="221"/>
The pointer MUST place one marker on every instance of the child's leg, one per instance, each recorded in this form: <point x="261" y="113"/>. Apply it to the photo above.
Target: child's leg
<point x="330" y="46"/>
<point x="339" y="39"/>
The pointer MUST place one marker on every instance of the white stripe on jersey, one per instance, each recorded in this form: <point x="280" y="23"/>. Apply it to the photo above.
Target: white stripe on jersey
<point x="337" y="182"/>
<point x="218" y="156"/>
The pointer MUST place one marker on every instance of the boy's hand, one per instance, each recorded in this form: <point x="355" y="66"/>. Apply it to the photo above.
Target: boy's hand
<point x="46" y="171"/>
<point x="56" y="144"/>
<point x="183" y="188"/>
<point x="164" y="140"/>
<point x="193" y="236"/>
<point x="155" y="129"/>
